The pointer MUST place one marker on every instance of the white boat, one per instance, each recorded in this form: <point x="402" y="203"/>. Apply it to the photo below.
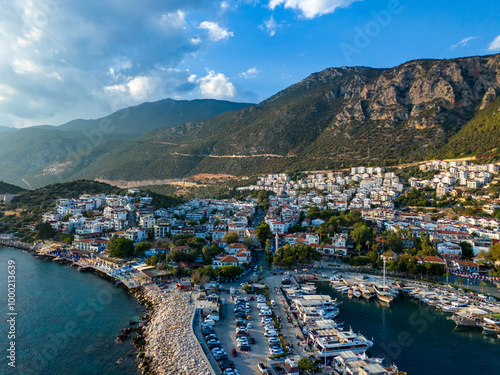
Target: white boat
<point x="491" y="323"/>
<point x="308" y="289"/>
<point x="383" y="294"/>
<point x="464" y="319"/>
<point x="383" y="291"/>
<point x="366" y="291"/>
<point x="356" y="292"/>
<point x="337" y="341"/>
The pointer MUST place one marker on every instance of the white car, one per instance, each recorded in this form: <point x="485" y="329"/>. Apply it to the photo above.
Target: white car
<point x="249" y="325"/>
<point x="271" y="333"/>
<point x="273" y="339"/>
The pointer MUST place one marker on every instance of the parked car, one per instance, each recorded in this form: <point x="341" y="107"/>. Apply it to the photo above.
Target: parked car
<point x="234" y="352"/>
<point x="262" y="367"/>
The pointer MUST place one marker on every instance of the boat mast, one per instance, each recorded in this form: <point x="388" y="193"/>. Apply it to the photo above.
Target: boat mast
<point x="384" y="275"/>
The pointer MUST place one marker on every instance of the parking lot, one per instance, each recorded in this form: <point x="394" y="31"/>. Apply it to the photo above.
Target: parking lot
<point x="246" y="362"/>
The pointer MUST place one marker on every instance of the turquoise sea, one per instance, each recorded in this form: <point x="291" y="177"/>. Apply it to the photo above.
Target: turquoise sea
<point x="66" y="320"/>
<point x="418" y="338"/>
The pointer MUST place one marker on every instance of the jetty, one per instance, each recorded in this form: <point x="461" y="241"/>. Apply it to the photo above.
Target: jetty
<point x="171" y="346"/>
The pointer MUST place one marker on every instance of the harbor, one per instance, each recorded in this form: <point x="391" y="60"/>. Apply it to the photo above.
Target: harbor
<point x="417" y="322"/>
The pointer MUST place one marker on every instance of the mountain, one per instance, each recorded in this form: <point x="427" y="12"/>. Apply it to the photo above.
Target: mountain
<point x="6" y="188"/>
<point x="336" y="117"/>
<point x="7" y="129"/>
<point x="164" y="113"/>
<point x="39" y="155"/>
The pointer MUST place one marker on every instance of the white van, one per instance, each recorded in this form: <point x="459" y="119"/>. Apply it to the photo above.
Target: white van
<point x="209" y="322"/>
<point x="213" y="317"/>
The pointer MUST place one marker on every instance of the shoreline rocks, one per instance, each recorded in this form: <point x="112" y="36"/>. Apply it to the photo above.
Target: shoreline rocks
<point x="167" y="342"/>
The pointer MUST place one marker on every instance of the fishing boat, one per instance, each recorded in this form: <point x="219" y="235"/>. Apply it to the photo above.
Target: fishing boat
<point x="465" y="319"/>
<point x="366" y="291"/>
<point x="356" y="292"/>
<point x="491" y="323"/>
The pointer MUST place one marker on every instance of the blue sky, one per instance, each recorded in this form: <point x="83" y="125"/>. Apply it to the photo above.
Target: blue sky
<point x="61" y="60"/>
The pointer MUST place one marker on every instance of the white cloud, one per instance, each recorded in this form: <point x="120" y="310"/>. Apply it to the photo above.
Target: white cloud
<point x="175" y="20"/>
<point x="250" y="73"/>
<point x="30" y="36"/>
<point x="495" y="44"/>
<point x="84" y="60"/>
<point x="463" y="42"/>
<point x="196" y="40"/>
<point x="192" y="78"/>
<point x="215" y="32"/>
<point x="270" y="26"/>
<point x="24" y="67"/>
<point x="312" y="8"/>
<point x="142" y="87"/>
<point x="216" y="86"/>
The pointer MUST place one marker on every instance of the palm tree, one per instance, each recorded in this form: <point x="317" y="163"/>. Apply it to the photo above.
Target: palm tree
<point x="460" y="281"/>
<point x="447" y="274"/>
<point x="483" y="284"/>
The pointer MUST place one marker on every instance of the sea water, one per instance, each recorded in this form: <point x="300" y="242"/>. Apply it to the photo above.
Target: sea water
<point x="66" y="321"/>
<point x="418" y="338"/>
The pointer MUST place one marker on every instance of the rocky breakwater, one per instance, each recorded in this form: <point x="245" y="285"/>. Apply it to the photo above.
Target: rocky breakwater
<point x="167" y="341"/>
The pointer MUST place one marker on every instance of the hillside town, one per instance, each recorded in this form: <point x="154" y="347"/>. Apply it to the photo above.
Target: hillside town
<point x="298" y="212"/>
<point x="358" y="221"/>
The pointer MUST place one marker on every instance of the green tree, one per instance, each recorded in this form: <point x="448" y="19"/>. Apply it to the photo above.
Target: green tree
<point x="395" y="243"/>
<point x="140" y="248"/>
<point x="483" y="284"/>
<point x="229" y="272"/>
<point x="151" y="234"/>
<point x="467" y="252"/>
<point x="494" y="252"/>
<point x="306" y="364"/>
<point x="120" y="247"/>
<point x="426" y="247"/>
<point x="269" y="255"/>
<point x="231" y="237"/>
<point x="152" y="260"/>
<point x="66" y="218"/>
<point x="45" y="231"/>
<point x="373" y="258"/>
<point x="263" y="232"/>
<point x="361" y="235"/>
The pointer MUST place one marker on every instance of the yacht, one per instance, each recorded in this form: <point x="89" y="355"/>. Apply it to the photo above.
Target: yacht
<point x="308" y="289"/>
<point x="333" y="342"/>
<point x="383" y="291"/>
